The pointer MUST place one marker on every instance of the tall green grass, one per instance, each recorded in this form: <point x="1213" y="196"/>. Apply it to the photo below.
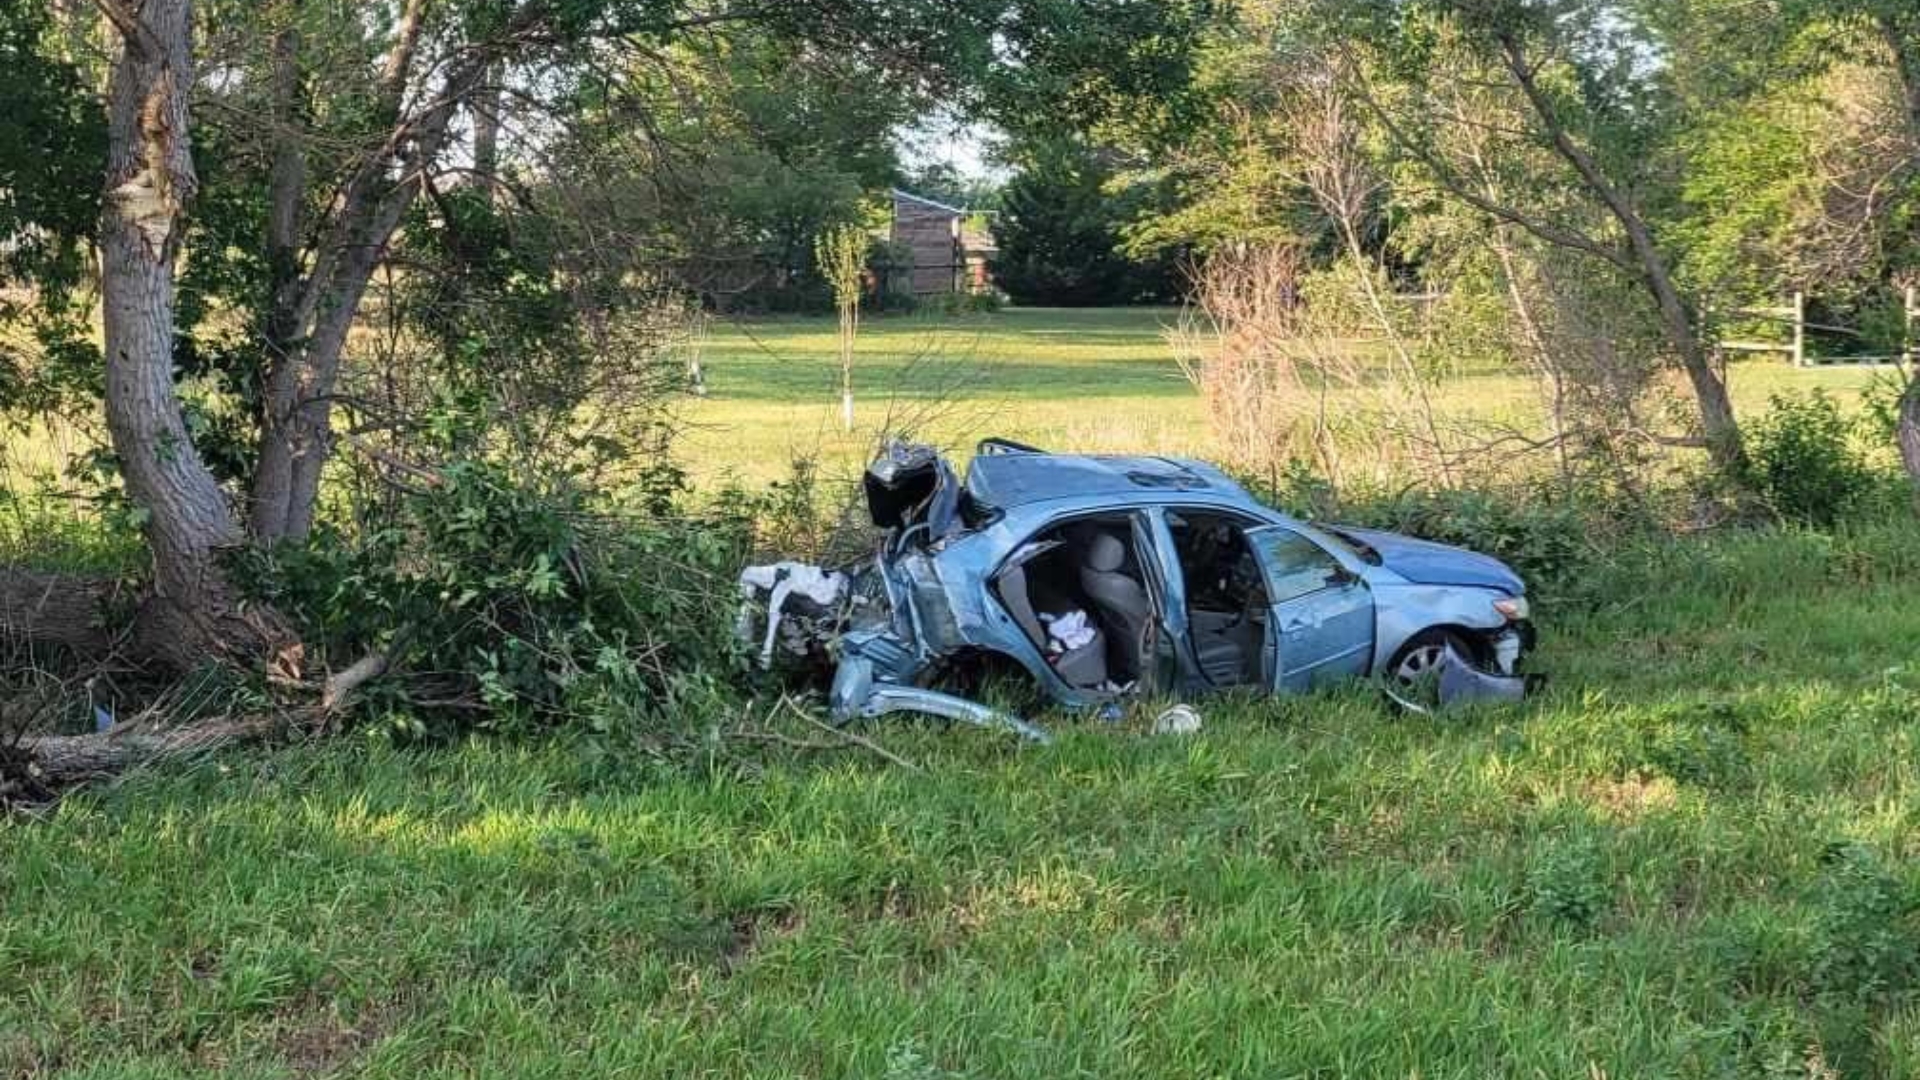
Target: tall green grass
<point x="1692" y="856"/>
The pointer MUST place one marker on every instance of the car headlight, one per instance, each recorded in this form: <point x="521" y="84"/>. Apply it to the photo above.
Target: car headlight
<point x="1514" y="608"/>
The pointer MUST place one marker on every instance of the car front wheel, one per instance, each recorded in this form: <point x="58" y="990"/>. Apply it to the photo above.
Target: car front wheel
<point x="1413" y="676"/>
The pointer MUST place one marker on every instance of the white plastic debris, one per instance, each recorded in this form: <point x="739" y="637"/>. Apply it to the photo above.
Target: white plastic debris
<point x="1177" y="720"/>
<point x="780" y="582"/>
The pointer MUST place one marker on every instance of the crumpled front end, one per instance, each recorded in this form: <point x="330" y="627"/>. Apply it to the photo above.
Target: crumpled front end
<point x="1456" y="680"/>
<point x="882" y="627"/>
<point x="875" y="677"/>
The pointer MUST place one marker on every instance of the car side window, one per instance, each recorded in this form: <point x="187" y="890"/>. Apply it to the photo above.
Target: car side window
<point x="1296" y="566"/>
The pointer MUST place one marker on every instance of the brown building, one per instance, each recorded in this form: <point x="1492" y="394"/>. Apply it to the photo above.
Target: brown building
<point x="937" y="248"/>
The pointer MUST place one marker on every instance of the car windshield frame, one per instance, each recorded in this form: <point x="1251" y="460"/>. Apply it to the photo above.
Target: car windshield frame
<point x="1353" y="545"/>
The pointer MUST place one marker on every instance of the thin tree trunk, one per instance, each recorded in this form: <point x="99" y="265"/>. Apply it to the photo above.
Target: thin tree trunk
<point x="194" y="614"/>
<point x="486" y="128"/>
<point x="1905" y="43"/>
<point x="1717" y="419"/>
<point x="286" y="189"/>
<point x="297" y="433"/>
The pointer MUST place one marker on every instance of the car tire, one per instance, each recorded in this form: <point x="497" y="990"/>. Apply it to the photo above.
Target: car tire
<point x="1411" y="677"/>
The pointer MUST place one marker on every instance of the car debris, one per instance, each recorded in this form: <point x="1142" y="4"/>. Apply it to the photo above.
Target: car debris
<point x="1178" y="720"/>
<point x="1107" y="577"/>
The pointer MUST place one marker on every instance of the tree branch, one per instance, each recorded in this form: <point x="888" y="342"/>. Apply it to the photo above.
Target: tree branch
<point x="138" y="37"/>
<point x="1573" y="152"/>
<point x="1462" y="190"/>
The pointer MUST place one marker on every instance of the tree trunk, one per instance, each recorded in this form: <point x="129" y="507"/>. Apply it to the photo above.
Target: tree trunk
<point x="1904" y="40"/>
<point x="1908" y="431"/>
<point x="1717" y="420"/>
<point x="313" y="324"/>
<point x="56" y="611"/>
<point x="486" y="128"/>
<point x="194" y="614"/>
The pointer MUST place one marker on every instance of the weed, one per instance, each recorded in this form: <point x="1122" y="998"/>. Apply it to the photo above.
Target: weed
<point x="1566" y="881"/>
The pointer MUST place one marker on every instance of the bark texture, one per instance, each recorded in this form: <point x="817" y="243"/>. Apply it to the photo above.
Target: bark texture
<point x="193" y="613"/>
<point x="1908" y="431"/>
<point x="56" y="611"/>
<point x="1903" y="37"/>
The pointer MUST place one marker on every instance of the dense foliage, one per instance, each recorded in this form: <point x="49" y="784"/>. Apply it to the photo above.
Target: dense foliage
<point x="1058" y="231"/>
<point x="509" y="607"/>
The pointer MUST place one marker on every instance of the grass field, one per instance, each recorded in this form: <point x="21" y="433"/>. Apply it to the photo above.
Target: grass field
<point x="1099" y="379"/>
<point x="1692" y="856"/>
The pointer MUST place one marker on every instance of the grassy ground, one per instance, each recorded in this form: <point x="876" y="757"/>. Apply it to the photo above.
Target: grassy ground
<point x="1101" y="379"/>
<point x="1692" y="857"/>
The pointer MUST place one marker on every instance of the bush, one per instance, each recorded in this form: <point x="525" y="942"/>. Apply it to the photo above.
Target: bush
<point x="970" y="303"/>
<point x="1867" y="940"/>
<point x="507" y="607"/>
<point x="1567" y="882"/>
<point x="1803" y="459"/>
<point x="1552" y="538"/>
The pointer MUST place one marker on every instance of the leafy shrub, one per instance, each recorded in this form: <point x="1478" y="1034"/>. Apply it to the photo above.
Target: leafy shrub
<point x="1550" y="538"/>
<point x="970" y="303"/>
<point x="1867" y="940"/>
<point x="1803" y="459"/>
<point x="1568" y="884"/>
<point x="1705" y="747"/>
<point x="507" y="607"/>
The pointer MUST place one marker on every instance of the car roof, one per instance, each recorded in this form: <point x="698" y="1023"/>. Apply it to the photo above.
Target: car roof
<point x="1013" y="479"/>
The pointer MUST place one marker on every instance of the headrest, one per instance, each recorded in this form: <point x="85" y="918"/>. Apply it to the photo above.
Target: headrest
<point x="1105" y="553"/>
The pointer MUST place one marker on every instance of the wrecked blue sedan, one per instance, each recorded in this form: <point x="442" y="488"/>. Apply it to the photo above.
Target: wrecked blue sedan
<point x="1103" y="577"/>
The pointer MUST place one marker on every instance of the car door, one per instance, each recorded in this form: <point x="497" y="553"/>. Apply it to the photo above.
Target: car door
<point x="1321" y="626"/>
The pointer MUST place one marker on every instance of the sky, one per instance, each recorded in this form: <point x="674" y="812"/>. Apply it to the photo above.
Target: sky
<point x="967" y="146"/>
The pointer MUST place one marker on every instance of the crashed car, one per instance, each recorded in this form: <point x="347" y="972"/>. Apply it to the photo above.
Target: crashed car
<point x="1103" y="577"/>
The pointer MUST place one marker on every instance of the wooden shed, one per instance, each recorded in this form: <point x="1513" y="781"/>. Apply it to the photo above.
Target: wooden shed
<point x="937" y="248"/>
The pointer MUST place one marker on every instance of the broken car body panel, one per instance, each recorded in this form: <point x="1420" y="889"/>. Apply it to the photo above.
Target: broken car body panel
<point x="1172" y="578"/>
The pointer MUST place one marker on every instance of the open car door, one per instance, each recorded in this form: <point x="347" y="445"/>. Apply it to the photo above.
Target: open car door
<point x="1320" y="626"/>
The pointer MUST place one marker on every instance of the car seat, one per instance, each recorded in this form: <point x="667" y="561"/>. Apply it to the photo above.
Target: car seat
<point x="1120" y="601"/>
<point x="1084" y="667"/>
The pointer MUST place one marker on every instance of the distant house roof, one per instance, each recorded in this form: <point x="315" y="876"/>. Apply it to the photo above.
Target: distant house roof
<point x="924" y="201"/>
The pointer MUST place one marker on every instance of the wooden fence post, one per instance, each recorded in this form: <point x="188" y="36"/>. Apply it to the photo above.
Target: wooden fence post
<point x="1799" y="328"/>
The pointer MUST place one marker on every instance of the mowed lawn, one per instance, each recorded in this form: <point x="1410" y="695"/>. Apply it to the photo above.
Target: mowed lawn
<point x="1692" y="857"/>
<point x="1090" y="380"/>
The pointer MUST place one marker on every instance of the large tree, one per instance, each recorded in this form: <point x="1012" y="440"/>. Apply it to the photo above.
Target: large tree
<point x="194" y="612"/>
<point x="1585" y="83"/>
<point x="1059" y="233"/>
<point x="335" y="124"/>
<point x="328" y="231"/>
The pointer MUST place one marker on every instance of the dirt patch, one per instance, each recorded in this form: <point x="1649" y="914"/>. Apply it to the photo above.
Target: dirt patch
<point x="319" y="1041"/>
<point x="1631" y="797"/>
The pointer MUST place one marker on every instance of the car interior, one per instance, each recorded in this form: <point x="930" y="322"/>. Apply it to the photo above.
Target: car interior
<point x="1079" y="592"/>
<point x="1226" y="595"/>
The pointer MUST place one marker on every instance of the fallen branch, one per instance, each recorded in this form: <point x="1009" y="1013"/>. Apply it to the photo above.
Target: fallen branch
<point x="341" y="686"/>
<point x="35" y="767"/>
<point x="853" y="737"/>
<point x="57" y="761"/>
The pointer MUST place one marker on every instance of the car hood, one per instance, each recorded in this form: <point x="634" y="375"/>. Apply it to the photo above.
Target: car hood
<point x="1428" y="563"/>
